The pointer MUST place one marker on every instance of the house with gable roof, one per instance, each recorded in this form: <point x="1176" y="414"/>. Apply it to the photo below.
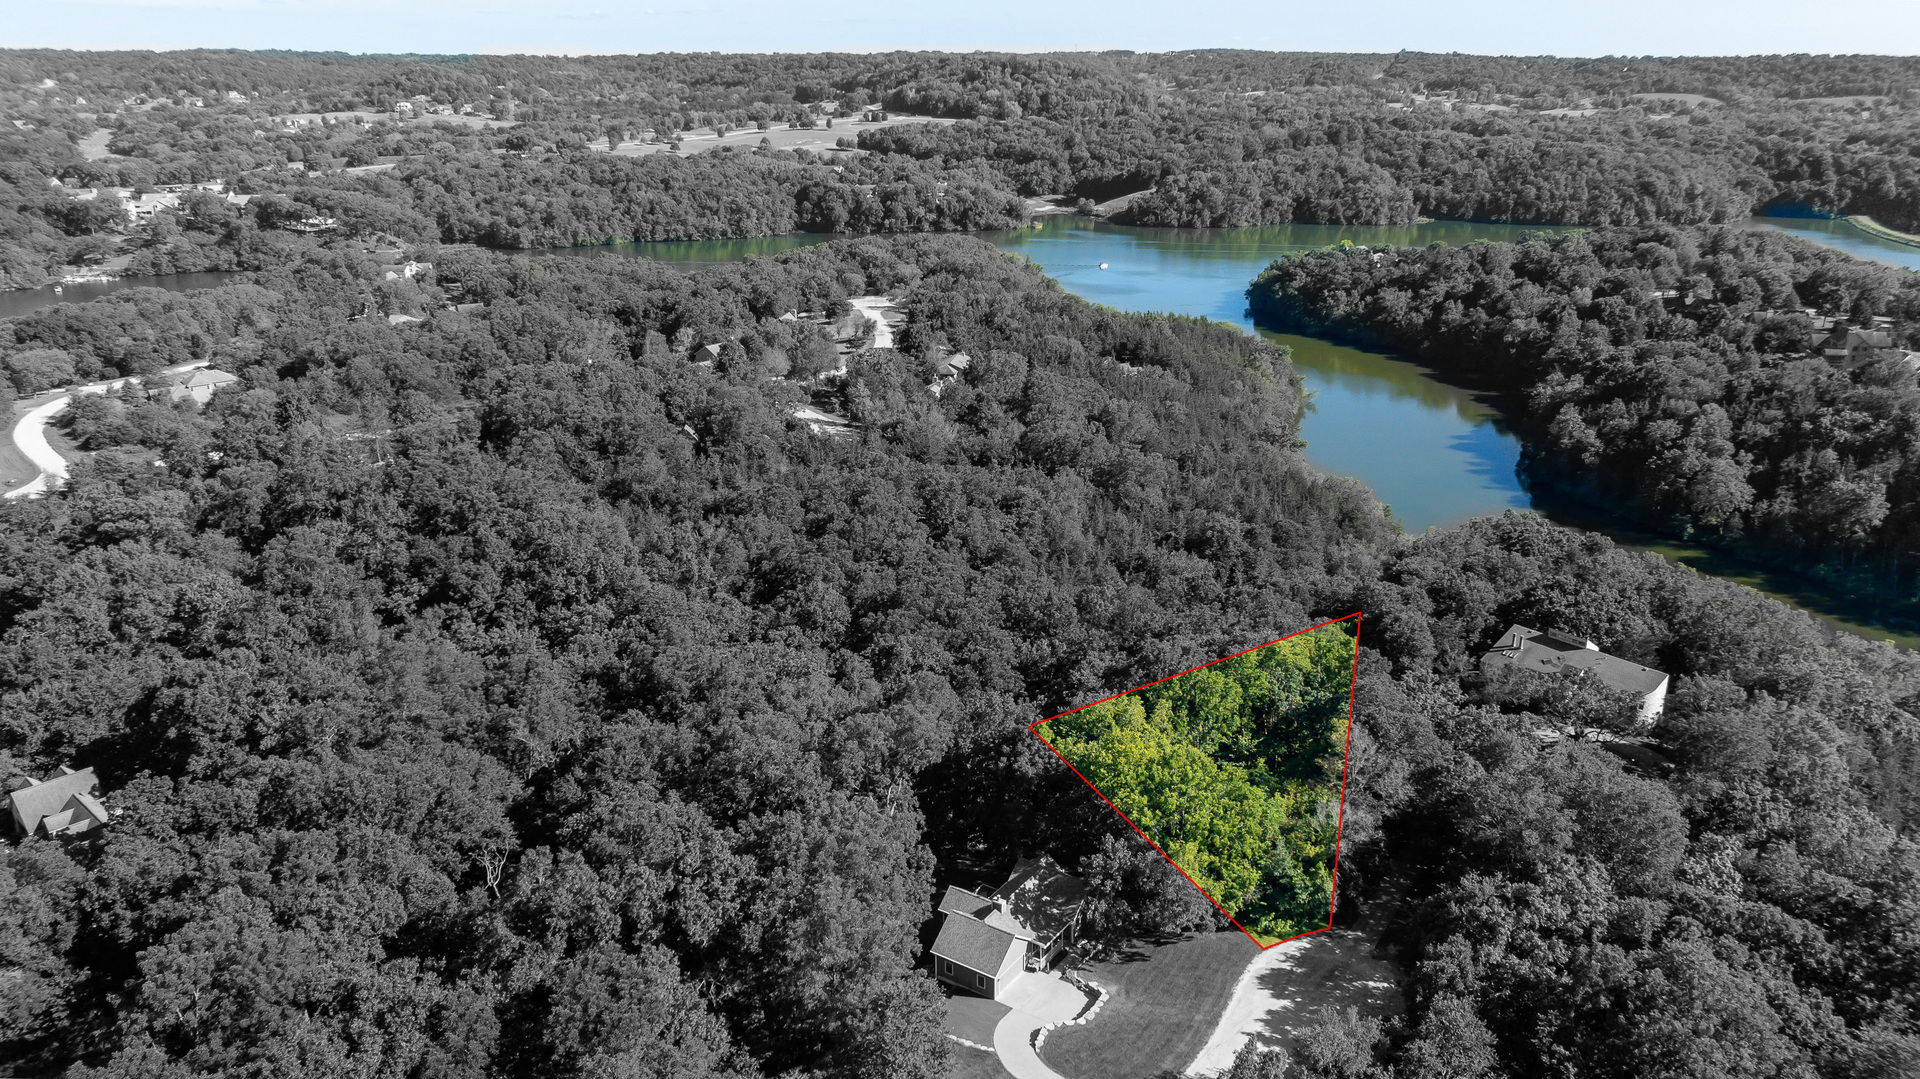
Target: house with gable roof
<point x="1550" y="653"/>
<point x="198" y="385"/>
<point x="1849" y="348"/>
<point x="66" y="804"/>
<point x="986" y="941"/>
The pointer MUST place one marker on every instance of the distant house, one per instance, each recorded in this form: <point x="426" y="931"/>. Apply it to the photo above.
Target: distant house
<point x="986" y="941"/>
<point x="198" y="385"/>
<point x="314" y="224"/>
<point x="66" y="804"/>
<point x="144" y="207"/>
<point x="952" y="365"/>
<point x="1535" y="650"/>
<point x="1848" y="347"/>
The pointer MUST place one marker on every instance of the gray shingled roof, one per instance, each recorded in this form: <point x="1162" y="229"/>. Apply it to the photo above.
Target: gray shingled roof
<point x="1042" y="897"/>
<point x="958" y="900"/>
<point x="36" y="803"/>
<point x="1532" y="649"/>
<point x="974" y="944"/>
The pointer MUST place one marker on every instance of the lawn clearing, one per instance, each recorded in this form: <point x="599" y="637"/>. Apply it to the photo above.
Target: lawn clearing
<point x="970" y="1063"/>
<point x="973" y="1018"/>
<point x="1164" y="1002"/>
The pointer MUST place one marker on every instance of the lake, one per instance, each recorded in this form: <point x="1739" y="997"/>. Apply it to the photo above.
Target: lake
<point x="1843" y="236"/>
<point x="1436" y="454"/>
<point x="19" y="301"/>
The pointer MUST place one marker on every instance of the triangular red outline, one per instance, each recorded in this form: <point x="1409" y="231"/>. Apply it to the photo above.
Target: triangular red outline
<point x="1346" y="753"/>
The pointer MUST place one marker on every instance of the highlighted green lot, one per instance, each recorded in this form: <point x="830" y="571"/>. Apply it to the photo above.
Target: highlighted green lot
<point x="1233" y="770"/>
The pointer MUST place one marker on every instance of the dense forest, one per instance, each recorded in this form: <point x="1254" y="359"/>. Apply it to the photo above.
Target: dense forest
<point x="1234" y="772"/>
<point x="518" y="151"/>
<point x="504" y="693"/>
<point x="1672" y="373"/>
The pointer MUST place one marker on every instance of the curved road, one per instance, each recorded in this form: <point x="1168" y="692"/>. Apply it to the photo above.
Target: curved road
<point x="30" y="433"/>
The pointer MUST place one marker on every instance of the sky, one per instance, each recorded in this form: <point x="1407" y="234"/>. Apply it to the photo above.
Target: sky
<point x="1522" y="27"/>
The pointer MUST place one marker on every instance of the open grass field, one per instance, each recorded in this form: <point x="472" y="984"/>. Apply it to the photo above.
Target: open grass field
<point x="1165" y="1001"/>
<point x="15" y="469"/>
<point x="780" y="136"/>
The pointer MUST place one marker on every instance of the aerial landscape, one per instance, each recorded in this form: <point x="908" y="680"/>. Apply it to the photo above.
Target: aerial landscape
<point x="541" y="541"/>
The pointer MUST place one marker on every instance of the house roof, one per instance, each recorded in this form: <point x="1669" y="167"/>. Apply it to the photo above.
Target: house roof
<point x="1535" y="650"/>
<point x="975" y="944"/>
<point x="42" y="800"/>
<point x="1041" y="897"/>
<point x="207" y="376"/>
<point x="982" y="908"/>
<point x="958" y="900"/>
<point x="1848" y="339"/>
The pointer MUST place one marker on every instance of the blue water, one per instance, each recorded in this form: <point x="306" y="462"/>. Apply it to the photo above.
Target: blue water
<point x="1435" y="454"/>
<point x="1844" y="237"/>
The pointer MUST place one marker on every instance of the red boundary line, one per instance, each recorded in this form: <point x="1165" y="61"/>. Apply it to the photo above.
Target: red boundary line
<point x="1346" y="753"/>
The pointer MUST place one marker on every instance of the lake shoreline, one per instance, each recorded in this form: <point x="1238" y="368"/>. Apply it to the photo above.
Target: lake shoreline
<point x="1434" y="448"/>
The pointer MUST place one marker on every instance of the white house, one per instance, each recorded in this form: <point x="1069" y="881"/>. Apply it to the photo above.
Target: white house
<point x="1536" y="650"/>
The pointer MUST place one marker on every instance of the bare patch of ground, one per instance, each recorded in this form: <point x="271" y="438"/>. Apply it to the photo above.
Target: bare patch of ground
<point x="779" y="137"/>
<point x="1677" y="99"/>
<point x="94" y="146"/>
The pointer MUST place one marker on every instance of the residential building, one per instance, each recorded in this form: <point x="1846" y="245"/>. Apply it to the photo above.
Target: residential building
<point x="986" y="941"/>
<point x="145" y="206"/>
<point x="1550" y="653"/>
<point x="200" y="385"/>
<point x="65" y="804"/>
<point x="1848" y="347"/>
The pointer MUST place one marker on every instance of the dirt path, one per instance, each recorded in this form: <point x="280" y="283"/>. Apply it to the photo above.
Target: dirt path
<point x="30" y="432"/>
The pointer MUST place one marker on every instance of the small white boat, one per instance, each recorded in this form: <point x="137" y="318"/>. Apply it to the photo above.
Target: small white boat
<point x="1103" y="265"/>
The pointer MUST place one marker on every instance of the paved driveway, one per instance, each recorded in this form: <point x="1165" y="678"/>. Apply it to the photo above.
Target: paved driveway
<point x="1035" y="1000"/>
